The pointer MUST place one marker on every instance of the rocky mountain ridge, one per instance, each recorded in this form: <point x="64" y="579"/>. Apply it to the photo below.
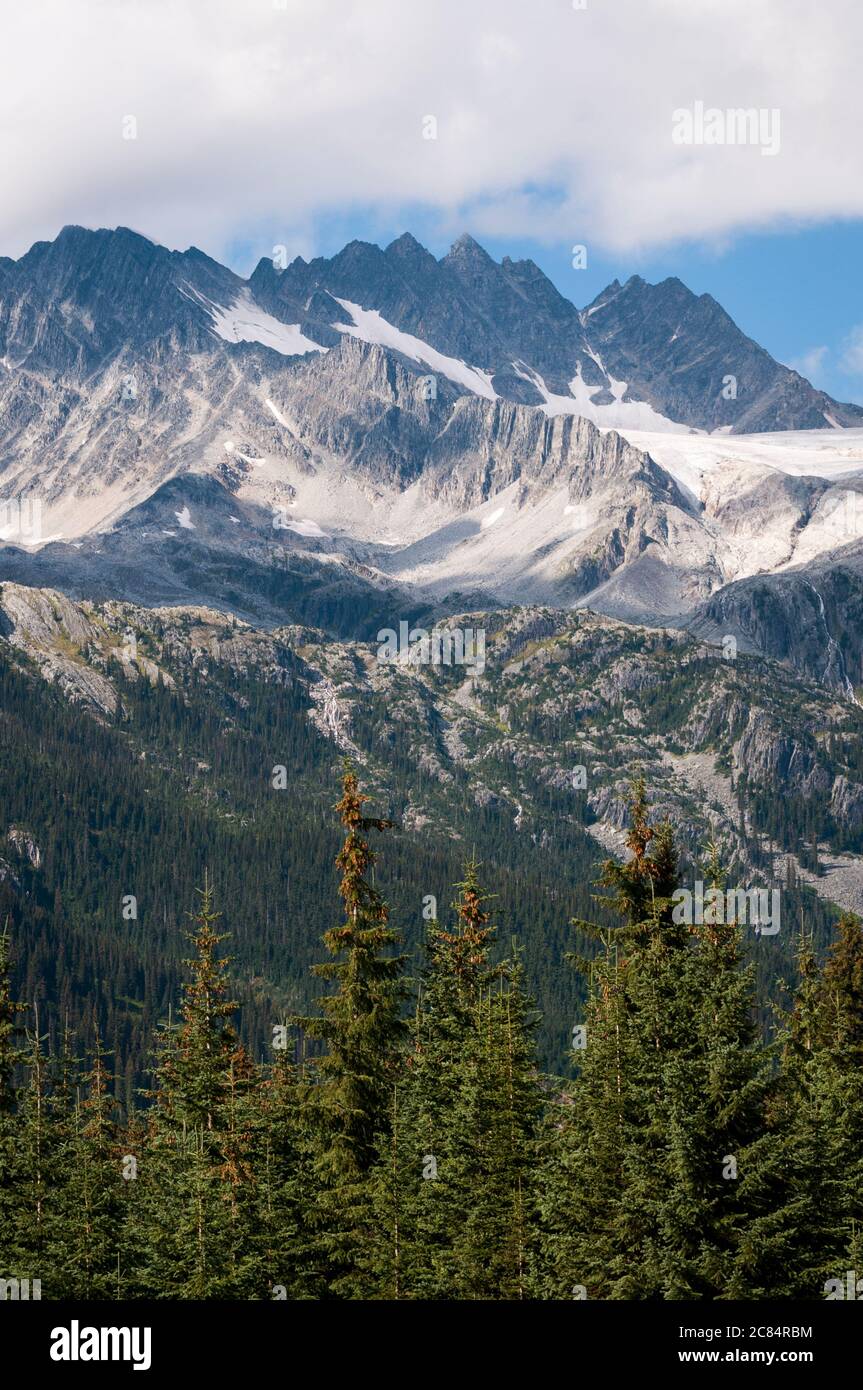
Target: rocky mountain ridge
<point x="383" y="435"/>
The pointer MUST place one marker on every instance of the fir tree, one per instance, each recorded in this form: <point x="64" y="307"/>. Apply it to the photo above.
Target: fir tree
<point x="639" y="1195"/>
<point x="499" y="1108"/>
<point x="454" y="1188"/>
<point x="790" y="1185"/>
<point x="196" y="1066"/>
<point x="719" y="1085"/>
<point x="604" y="1148"/>
<point x="11" y="1053"/>
<point x="40" y="1172"/>
<point x="361" y="1029"/>
<point x="91" y="1242"/>
<point x="193" y="1203"/>
<point x="285" y="1185"/>
<point x="842" y="1032"/>
<point x="424" y="1176"/>
<point x="585" y="1244"/>
<point x="11" y="1060"/>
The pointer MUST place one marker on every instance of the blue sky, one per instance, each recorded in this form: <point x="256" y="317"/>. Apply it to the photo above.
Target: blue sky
<point x="797" y="291"/>
<point x="237" y="127"/>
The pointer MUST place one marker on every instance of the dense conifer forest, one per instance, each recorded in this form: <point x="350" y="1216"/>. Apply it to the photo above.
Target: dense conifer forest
<point x="400" y="1140"/>
<point x="180" y="781"/>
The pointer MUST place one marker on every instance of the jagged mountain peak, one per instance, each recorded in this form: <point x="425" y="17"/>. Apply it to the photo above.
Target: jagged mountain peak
<point x="74" y="238"/>
<point x="359" y="254"/>
<point x="406" y="244"/>
<point x="466" y="247"/>
<point x="407" y="253"/>
<point x="348" y="387"/>
<point x="670" y="348"/>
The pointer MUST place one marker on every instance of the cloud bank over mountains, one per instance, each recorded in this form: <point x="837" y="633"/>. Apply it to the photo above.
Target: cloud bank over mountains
<point x="198" y="122"/>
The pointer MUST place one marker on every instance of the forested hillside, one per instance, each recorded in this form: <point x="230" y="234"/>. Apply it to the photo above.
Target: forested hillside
<point x="387" y="1152"/>
<point x="124" y="781"/>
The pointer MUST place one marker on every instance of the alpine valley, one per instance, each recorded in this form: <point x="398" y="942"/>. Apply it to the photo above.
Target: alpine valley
<point x="217" y="492"/>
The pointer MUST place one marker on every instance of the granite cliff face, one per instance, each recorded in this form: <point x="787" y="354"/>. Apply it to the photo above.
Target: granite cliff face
<point x="809" y="617"/>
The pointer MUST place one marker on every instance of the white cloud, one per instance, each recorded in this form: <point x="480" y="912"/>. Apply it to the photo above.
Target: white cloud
<point x="552" y="122"/>
<point x="851" y="359"/>
<point x="812" y="364"/>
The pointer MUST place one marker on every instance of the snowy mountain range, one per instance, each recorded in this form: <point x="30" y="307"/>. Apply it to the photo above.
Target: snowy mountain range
<point x="383" y="435"/>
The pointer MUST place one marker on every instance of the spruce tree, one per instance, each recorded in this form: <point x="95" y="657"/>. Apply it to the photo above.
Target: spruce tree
<point x="11" y="1061"/>
<point x="842" y="1035"/>
<point x="584" y="1247"/>
<point x="285" y="1186"/>
<point x="499" y="1108"/>
<point x="792" y="1241"/>
<point x="719" y="1088"/>
<point x="92" y="1235"/>
<point x="361" y="1029"/>
<point x="453" y="1189"/>
<point x="41" y="1171"/>
<point x="196" y="1066"/>
<point x="422" y="1177"/>
<point x="639" y="1197"/>
<point x="807" y="1230"/>
<point x="192" y="1204"/>
<point x="602" y="1178"/>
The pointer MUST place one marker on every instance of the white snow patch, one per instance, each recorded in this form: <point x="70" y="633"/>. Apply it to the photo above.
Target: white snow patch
<point x="631" y="414"/>
<point x="185" y="519"/>
<point x="369" y="327"/>
<point x="304" y="528"/>
<point x="583" y="515"/>
<point x="244" y="321"/>
<point x="824" y="453"/>
<point x="274" y="410"/>
<point x="490" y="520"/>
<point x="23" y="543"/>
